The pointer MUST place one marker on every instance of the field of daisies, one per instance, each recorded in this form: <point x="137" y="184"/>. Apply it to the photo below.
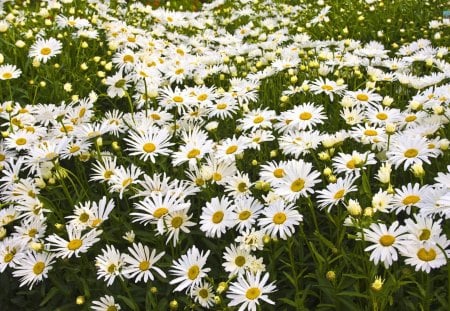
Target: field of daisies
<point x="225" y="155"/>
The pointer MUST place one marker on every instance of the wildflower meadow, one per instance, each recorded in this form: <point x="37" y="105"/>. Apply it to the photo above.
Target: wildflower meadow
<point x="224" y="155"/>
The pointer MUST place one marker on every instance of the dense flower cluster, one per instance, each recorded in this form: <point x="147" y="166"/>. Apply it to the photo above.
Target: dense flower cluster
<point x="177" y="145"/>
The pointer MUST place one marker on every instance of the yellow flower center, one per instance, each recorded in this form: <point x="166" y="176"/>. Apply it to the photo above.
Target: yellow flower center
<point x="202" y="97"/>
<point x="127" y="182"/>
<point x="176" y="222"/>
<point x="252" y="293"/>
<point x="83" y="217"/>
<point x="128" y="59"/>
<point x="7" y="75"/>
<point x="242" y="187"/>
<point x="149" y="147"/>
<point x="217" y="217"/>
<point x="305" y="116"/>
<point x="144" y="265"/>
<point x="298" y="185"/>
<point x="425" y="255"/>
<point x="2" y="157"/>
<point x="193" y="272"/>
<point x="362" y="97"/>
<point x="338" y="195"/>
<point x="96" y="222"/>
<point x="425" y="235"/>
<point x="111" y="308"/>
<point x="111" y="268"/>
<point x="410" y="118"/>
<point x="231" y="149"/>
<point x="411" y="199"/>
<point x="178" y="99"/>
<point x="8" y="257"/>
<point x="74" y="149"/>
<point x="278" y="173"/>
<point x="107" y="174"/>
<point x="46" y="51"/>
<point x="155" y="116"/>
<point x="82" y="112"/>
<point x="203" y="293"/>
<point x="387" y="240"/>
<point x="193" y="153"/>
<point x="160" y="212"/>
<point x="239" y="261"/>
<point x="244" y="215"/>
<point x="38" y="267"/>
<point x="351" y="164"/>
<point x="370" y="132"/>
<point x="327" y="87"/>
<point x="411" y="153"/>
<point x="381" y="116"/>
<point x="221" y="106"/>
<point x="279" y="218"/>
<point x="217" y="176"/>
<point x="74" y="244"/>
<point x="258" y="119"/>
<point x="179" y="71"/>
<point x="21" y="141"/>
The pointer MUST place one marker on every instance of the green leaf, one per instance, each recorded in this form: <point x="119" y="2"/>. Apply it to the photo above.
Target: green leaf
<point x="353" y="294"/>
<point x="51" y="293"/>
<point x="288" y="301"/>
<point x="128" y="302"/>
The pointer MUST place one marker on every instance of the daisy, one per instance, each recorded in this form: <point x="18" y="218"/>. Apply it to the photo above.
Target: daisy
<point x="10" y="249"/>
<point x="382" y="201"/>
<point x="300" y="142"/>
<point x="217" y="217"/>
<point x="256" y="138"/>
<point x="76" y="244"/>
<point x="124" y="178"/>
<point x="427" y="255"/>
<point x="196" y="146"/>
<point x="21" y="140"/>
<point x="229" y="148"/>
<point x="150" y="144"/>
<point x="218" y="171"/>
<point x="176" y="222"/>
<point x="106" y="303"/>
<point x="139" y="264"/>
<point x="328" y="87"/>
<point x="299" y="180"/>
<point x="408" y="150"/>
<point x="110" y="264"/>
<point x="246" y="211"/>
<point x="31" y="229"/>
<point x="223" y="108"/>
<point x="408" y="196"/>
<point x="155" y="207"/>
<point x="238" y="185"/>
<point x="44" y="49"/>
<point x="251" y="239"/>
<point x="117" y="84"/>
<point x="257" y="119"/>
<point x="386" y="242"/>
<point x="189" y="269"/>
<point x="273" y="172"/>
<point x="279" y="219"/>
<point x="8" y="72"/>
<point x="364" y="97"/>
<point x="203" y="294"/>
<point x="306" y="116"/>
<point x="335" y="192"/>
<point x="248" y="290"/>
<point x="423" y="229"/>
<point x="236" y="260"/>
<point x="353" y="163"/>
<point x="33" y="267"/>
<point x="104" y="170"/>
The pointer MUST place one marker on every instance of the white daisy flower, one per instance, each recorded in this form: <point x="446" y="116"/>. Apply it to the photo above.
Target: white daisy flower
<point x="428" y="255"/>
<point x="106" y="303"/>
<point x="249" y="290"/>
<point x="279" y="219"/>
<point x="217" y="217"/>
<point x="189" y="269"/>
<point x="110" y="264"/>
<point x="386" y="242"/>
<point x="33" y="267"/>
<point x="141" y="262"/>
<point x="44" y="49"/>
